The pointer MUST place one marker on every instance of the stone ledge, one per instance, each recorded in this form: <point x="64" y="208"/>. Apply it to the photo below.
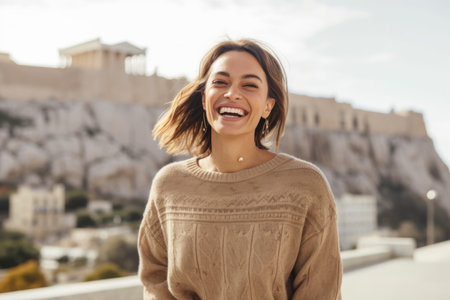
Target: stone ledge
<point x="128" y="287"/>
<point x="353" y="259"/>
<point x="400" y="247"/>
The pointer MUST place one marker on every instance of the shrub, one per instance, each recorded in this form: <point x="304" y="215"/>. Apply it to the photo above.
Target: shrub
<point x="76" y="200"/>
<point x="117" y="205"/>
<point x="4" y="203"/>
<point x="132" y="214"/>
<point x="117" y="250"/>
<point x="105" y="218"/>
<point x="105" y="271"/>
<point x="63" y="259"/>
<point x="25" y="276"/>
<point x="15" y="249"/>
<point x="84" y="219"/>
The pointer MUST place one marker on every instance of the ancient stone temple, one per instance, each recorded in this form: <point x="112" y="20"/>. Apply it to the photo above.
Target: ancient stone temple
<point x="120" y="57"/>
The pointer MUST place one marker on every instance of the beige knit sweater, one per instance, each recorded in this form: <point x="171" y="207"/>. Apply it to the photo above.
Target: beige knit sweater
<point x="267" y="232"/>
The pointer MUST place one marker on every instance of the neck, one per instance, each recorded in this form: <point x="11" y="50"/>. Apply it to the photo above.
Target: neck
<point x="232" y="154"/>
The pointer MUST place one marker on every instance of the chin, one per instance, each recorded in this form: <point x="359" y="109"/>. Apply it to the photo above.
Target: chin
<point x="232" y="132"/>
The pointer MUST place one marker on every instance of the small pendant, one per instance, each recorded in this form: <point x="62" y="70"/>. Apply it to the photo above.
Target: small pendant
<point x="240" y="159"/>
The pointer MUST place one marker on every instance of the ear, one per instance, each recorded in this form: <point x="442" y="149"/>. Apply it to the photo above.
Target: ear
<point x="270" y="102"/>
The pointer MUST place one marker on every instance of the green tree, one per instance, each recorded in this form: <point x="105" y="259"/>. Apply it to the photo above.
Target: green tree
<point x="132" y="214"/>
<point x="105" y="271"/>
<point x="25" y="276"/>
<point x="63" y="259"/>
<point x="106" y="218"/>
<point x="76" y="200"/>
<point x="124" y="254"/>
<point x="117" y="205"/>
<point x="11" y="235"/>
<point x="15" y="249"/>
<point x="84" y="219"/>
<point x="4" y="203"/>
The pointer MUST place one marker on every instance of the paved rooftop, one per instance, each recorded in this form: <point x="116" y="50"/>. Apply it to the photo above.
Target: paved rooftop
<point x="427" y="276"/>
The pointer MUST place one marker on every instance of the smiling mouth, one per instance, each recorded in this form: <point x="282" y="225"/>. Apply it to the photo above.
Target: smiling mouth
<point x="232" y="111"/>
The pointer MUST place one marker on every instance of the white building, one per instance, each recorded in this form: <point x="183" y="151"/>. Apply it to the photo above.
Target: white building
<point x="38" y="213"/>
<point x="357" y="217"/>
<point x="99" y="206"/>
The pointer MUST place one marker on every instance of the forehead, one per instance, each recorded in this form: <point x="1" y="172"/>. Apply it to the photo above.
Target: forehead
<point x="237" y="63"/>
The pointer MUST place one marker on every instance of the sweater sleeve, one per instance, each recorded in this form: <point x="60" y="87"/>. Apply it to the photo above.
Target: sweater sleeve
<point x="318" y="270"/>
<point x="153" y="256"/>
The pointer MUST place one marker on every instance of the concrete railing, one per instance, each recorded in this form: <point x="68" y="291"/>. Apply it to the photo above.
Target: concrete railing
<point x="353" y="259"/>
<point x="370" y="251"/>
<point x="400" y="247"/>
<point x="124" y="288"/>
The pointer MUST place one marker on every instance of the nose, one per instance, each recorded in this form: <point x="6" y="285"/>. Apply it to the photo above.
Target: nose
<point x="233" y="92"/>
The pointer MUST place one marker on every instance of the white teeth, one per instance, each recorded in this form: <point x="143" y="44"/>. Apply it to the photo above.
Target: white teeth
<point x="231" y="110"/>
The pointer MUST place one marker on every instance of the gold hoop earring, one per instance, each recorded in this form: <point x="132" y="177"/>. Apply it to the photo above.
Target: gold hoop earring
<point x="204" y="122"/>
<point x="266" y="127"/>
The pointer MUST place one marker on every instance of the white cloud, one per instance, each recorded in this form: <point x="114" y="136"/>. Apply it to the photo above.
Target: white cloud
<point x="379" y="58"/>
<point x="176" y="32"/>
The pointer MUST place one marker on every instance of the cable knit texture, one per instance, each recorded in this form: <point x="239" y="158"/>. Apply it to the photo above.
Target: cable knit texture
<point x="267" y="232"/>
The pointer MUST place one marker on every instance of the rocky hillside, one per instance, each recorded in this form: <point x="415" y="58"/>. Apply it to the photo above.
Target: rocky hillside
<point x="107" y="148"/>
<point x="370" y="164"/>
<point x="101" y="146"/>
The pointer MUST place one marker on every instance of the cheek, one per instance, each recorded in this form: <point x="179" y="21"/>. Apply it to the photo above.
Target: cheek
<point x="209" y="97"/>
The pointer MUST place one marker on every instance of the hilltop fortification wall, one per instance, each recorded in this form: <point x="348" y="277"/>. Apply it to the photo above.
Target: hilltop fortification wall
<point x="19" y="82"/>
<point x="326" y="113"/>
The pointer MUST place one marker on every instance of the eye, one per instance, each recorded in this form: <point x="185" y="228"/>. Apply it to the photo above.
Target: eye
<point x="251" y="85"/>
<point x="218" y="82"/>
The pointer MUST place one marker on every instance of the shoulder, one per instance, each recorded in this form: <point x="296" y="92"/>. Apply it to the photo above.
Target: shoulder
<point x="309" y="180"/>
<point x="302" y="169"/>
<point x="170" y="174"/>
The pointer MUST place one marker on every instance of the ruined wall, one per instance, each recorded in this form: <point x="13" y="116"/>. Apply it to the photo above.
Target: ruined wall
<point x="326" y="113"/>
<point x="20" y="82"/>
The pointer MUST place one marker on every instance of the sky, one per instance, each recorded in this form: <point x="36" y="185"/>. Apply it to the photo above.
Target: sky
<point x="377" y="55"/>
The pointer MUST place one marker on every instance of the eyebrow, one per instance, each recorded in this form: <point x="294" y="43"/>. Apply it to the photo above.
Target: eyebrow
<point x="245" y="76"/>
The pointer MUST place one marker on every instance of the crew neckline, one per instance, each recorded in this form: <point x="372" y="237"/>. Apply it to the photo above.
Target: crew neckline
<point x="194" y="168"/>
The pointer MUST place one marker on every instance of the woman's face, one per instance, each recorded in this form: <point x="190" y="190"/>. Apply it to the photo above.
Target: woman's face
<point x="236" y="95"/>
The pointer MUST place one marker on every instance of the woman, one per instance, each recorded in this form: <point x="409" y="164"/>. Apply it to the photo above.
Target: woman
<point x="236" y="221"/>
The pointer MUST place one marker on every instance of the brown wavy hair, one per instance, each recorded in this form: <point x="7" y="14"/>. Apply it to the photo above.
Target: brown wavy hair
<point x="180" y="127"/>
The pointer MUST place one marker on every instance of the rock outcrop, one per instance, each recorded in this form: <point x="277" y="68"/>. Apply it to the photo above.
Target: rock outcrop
<point x="358" y="163"/>
<point x="101" y="146"/>
<point x="107" y="148"/>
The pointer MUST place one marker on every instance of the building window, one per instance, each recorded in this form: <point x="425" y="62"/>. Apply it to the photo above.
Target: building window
<point x="355" y="123"/>
<point x="366" y="126"/>
<point x="317" y="119"/>
<point x="342" y="120"/>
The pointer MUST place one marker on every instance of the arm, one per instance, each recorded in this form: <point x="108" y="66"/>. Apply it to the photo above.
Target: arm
<point x="153" y="257"/>
<point x="318" y="270"/>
